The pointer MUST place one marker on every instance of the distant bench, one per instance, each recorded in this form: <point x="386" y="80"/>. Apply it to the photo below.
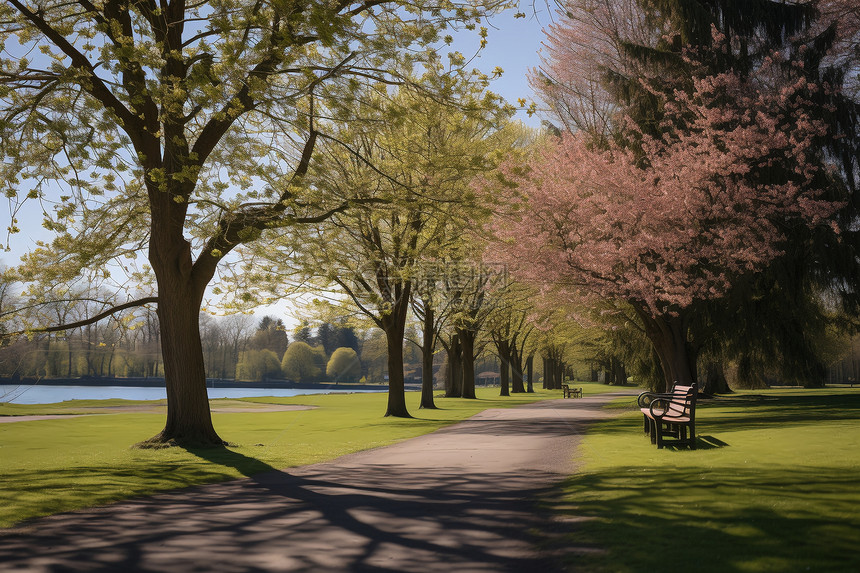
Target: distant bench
<point x="670" y="415"/>
<point x="569" y="392"/>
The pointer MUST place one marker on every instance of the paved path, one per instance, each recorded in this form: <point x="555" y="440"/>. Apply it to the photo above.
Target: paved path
<point x="459" y="500"/>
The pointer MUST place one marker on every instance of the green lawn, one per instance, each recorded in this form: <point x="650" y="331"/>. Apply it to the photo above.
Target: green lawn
<point x="774" y="486"/>
<point x="58" y="465"/>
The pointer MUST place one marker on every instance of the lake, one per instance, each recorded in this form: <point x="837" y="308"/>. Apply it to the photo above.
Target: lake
<point x="46" y="394"/>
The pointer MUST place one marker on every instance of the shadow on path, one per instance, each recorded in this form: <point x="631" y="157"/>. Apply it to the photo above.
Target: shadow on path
<point x="455" y="501"/>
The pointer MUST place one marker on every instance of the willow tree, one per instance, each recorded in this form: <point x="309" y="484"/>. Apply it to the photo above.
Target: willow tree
<point x="180" y="130"/>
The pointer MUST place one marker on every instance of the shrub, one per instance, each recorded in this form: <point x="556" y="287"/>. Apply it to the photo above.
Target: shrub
<point x="344" y="366"/>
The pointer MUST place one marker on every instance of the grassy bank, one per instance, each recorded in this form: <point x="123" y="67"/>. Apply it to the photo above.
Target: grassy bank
<point x="775" y="486"/>
<point x="49" y="466"/>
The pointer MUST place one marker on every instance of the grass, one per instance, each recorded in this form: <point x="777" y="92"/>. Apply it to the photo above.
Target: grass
<point x="50" y="466"/>
<point x="774" y="486"/>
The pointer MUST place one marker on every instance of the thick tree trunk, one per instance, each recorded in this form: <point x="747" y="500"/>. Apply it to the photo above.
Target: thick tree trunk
<point x="668" y="334"/>
<point x="467" y="340"/>
<point x="189" y="422"/>
<point x="396" y="381"/>
<point x="394" y="325"/>
<point x="427" y="359"/>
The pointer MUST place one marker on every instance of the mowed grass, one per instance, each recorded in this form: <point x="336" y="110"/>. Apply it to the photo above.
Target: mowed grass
<point x="774" y="486"/>
<point x="50" y="466"/>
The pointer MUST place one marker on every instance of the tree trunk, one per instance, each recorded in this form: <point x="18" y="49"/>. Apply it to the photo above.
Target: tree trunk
<point x="517" y="385"/>
<point x="558" y="370"/>
<point x="180" y="294"/>
<point x="668" y="334"/>
<point x="455" y="363"/>
<point x="714" y="379"/>
<point x="427" y="359"/>
<point x="530" y="374"/>
<point x="396" y="381"/>
<point x="503" y="369"/>
<point x="69" y="352"/>
<point x="189" y="421"/>
<point x="618" y="372"/>
<point x="467" y="340"/>
<point x="394" y="326"/>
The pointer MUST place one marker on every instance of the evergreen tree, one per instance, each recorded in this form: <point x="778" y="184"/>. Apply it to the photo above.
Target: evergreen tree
<point x="271" y="335"/>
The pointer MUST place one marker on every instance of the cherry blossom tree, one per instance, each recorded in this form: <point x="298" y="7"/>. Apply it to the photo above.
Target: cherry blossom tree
<point x="707" y="202"/>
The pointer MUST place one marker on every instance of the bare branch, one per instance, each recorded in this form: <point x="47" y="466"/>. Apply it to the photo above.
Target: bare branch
<point x="85" y="322"/>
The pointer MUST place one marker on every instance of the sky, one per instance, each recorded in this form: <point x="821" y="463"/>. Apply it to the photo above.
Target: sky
<point x="513" y="45"/>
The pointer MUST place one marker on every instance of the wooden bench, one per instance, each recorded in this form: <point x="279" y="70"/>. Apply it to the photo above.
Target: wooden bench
<point x="670" y="415"/>
<point x="569" y="392"/>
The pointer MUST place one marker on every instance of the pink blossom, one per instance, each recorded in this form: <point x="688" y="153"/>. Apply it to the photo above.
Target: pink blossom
<point x="591" y="225"/>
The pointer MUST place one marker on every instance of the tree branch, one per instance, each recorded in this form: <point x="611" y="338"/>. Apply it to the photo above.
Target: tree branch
<point x="98" y="89"/>
<point x="86" y="321"/>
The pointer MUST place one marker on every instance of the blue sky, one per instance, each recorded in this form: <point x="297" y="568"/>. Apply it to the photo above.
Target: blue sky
<point x="513" y="45"/>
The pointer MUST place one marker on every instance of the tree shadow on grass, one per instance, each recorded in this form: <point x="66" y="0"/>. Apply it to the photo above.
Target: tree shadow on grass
<point x="721" y="521"/>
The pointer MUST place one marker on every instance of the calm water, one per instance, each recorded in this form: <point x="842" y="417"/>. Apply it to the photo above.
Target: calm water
<point x="39" y="394"/>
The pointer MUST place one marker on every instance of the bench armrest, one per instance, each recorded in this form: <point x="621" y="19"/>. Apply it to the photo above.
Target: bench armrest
<point x="664" y="404"/>
<point x="646" y="398"/>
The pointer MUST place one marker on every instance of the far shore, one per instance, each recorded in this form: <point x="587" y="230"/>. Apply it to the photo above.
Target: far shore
<point x="210" y="383"/>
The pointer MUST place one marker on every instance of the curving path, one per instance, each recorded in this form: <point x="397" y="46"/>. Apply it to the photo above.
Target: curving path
<point x="455" y="501"/>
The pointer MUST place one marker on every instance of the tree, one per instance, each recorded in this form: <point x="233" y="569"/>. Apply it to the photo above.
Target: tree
<point x="301" y="362"/>
<point x="585" y="44"/>
<point x="344" y="366"/>
<point x="327" y="337"/>
<point x="432" y="310"/>
<point x="412" y="166"/>
<point x="258" y="365"/>
<point x="144" y="113"/>
<point x="468" y="284"/>
<point x="509" y="326"/>
<point x="303" y="333"/>
<point x="271" y="335"/>
<point x="708" y="201"/>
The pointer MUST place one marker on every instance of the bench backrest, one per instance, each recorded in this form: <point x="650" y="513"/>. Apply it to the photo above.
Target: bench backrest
<point x="683" y="402"/>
